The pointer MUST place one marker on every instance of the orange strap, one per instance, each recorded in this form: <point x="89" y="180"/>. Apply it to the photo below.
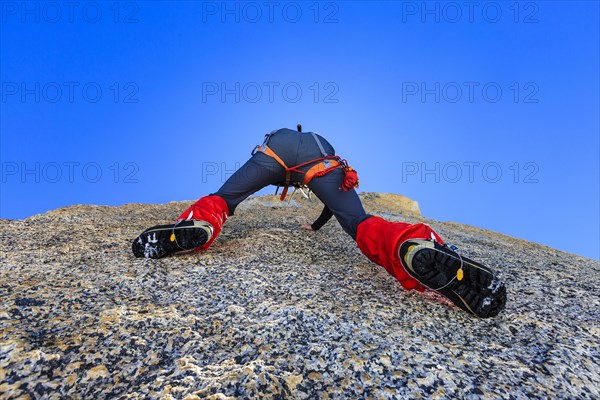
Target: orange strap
<point x="267" y="150"/>
<point x="317" y="170"/>
<point x="288" y="174"/>
<point x="321" y="169"/>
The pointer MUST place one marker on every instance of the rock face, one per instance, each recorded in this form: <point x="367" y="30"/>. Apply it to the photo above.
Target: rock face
<point x="272" y="311"/>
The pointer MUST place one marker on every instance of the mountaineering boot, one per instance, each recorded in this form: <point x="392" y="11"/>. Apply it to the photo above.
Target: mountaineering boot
<point x="196" y="228"/>
<point x="468" y="284"/>
<point x="163" y="240"/>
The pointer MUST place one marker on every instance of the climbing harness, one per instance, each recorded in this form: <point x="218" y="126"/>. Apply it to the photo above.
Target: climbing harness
<point x="322" y="166"/>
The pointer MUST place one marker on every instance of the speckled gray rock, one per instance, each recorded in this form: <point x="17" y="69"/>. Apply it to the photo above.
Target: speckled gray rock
<point x="273" y="311"/>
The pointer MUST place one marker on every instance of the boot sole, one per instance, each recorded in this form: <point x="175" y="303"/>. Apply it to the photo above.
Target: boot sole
<point x="163" y="240"/>
<point x="479" y="292"/>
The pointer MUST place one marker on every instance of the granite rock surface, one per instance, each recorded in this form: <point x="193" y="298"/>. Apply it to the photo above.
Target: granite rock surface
<point x="272" y="311"/>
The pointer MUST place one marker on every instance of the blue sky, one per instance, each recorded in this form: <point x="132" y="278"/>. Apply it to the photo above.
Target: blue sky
<point x="486" y="114"/>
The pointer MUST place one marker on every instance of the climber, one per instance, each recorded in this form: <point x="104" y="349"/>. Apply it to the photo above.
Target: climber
<point x="413" y="253"/>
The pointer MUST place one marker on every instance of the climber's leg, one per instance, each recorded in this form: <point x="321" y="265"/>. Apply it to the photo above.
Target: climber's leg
<point x="417" y="257"/>
<point x="258" y="172"/>
<point x="255" y="174"/>
<point x="198" y="226"/>
<point x="377" y="238"/>
<point x="345" y="206"/>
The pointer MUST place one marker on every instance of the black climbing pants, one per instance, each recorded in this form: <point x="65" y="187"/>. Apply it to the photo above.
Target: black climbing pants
<point x="295" y="148"/>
